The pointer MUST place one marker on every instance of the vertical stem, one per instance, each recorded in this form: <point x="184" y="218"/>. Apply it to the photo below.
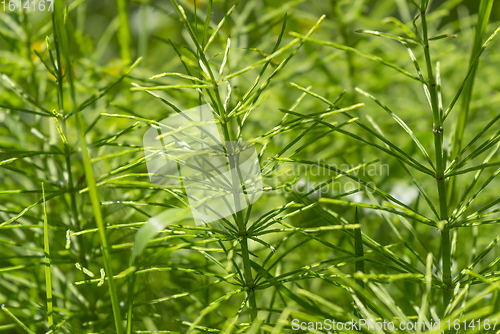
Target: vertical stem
<point x="248" y="278"/>
<point x="440" y="164"/>
<point x="130" y="297"/>
<point x="124" y="31"/>
<point x="245" y="254"/>
<point x="480" y="33"/>
<point x="446" y="258"/>
<point x="143" y="39"/>
<point x="224" y="121"/>
<point x="344" y="31"/>
<point x="67" y="155"/>
<point x="479" y="36"/>
<point x="91" y="182"/>
<point x="48" y="276"/>
<point x="358" y="248"/>
<point x="124" y="40"/>
<point x="67" y="148"/>
<point x="496" y="305"/>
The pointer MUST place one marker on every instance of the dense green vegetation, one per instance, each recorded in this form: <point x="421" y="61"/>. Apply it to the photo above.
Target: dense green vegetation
<point x="376" y="126"/>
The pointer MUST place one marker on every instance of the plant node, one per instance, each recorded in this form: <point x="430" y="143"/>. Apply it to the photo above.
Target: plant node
<point x="439" y="130"/>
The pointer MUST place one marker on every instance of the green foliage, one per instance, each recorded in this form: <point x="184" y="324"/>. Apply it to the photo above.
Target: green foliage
<point x="379" y="199"/>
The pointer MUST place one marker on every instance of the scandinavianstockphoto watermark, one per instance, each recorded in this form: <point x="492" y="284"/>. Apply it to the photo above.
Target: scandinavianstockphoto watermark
<point x="319" y="178"/>
<point x="364" y="324"/>
<point x="370" y="324"/>
<point x="188" y="151"/>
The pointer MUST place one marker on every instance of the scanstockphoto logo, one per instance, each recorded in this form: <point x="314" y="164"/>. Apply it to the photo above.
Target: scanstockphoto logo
<point x="187" y="152"/>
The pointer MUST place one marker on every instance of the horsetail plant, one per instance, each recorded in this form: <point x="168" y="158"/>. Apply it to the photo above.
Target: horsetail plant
<point x="440" y="170"/>
<point x="371" y="205"/>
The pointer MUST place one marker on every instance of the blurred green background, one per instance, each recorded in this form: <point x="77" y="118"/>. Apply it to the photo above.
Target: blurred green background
<point x="253" y="27"/>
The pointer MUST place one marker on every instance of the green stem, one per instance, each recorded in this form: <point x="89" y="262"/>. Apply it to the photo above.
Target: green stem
<point x="124" y="31"/>
<point x="143" y="39"/>
<point x="440" y="166"/>
<point x="344" y="31"/>
<point x="446" y="258"/>
<point x="248" y="278"/>
<point x="224" y="121"/>
<point x="130" y="297"/>
<point x="67" y="155"/>
<point x="245" y="254"/>
<point x="358" y="248"/>
<point x="496" y="305"/>
<point x="89" y="173"/>
<point x="48" y="276"/>
<point x="481" y="26"/>
<point x="479" y="36"/>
